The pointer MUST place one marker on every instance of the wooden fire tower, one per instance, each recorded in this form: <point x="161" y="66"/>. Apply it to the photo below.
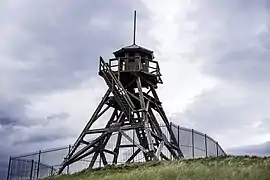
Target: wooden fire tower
<point x="132" y="78"/>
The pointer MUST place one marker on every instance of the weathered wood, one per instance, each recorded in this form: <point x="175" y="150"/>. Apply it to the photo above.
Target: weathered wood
<point x="132" y="77"/>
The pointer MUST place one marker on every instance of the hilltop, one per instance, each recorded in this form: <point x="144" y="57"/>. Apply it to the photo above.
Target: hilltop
<point x="220" y="168"/>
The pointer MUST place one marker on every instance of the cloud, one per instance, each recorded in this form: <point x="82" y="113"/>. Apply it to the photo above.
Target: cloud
<point x="3" y="168"/>
<point x="258" y="150"/>
<point x="61" y="45"/>
<point x="236" y="36"/>
<point x="232" y="46"/>
<point x="212" y="54"/>
<point x="50" y="50"/>
<point x="214" y="62"/>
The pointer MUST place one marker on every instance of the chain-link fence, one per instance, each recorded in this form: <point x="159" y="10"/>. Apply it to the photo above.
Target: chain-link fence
<point x="45" y="163"/>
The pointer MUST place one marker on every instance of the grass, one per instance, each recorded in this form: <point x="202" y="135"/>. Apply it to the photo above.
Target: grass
<point x="221" y="168"/>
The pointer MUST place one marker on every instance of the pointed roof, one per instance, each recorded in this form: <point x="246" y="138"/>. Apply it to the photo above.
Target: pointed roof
<point x="133" y="47"/>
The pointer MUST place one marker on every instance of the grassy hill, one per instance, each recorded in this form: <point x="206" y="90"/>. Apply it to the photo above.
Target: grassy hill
<point x="221" y="168"/>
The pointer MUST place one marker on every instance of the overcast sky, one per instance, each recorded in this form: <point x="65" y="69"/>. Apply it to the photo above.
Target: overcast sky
<point x="213" y="57"/>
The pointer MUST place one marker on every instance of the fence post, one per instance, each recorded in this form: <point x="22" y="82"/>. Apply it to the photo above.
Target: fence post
<point x="178" y="127"/>
<point x="205" y="144"/>
<point x="51" y="170"/>
<point x="192" y="135"/>
<point x="69" y="148"/>
<point x="39" y="154"/>
<point x="217" y="148"/>
<point x="31" y="172"/>
<point x="9" y="167"/>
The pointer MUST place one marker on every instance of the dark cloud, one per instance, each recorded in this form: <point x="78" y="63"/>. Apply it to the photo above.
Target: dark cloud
<point x="4" y="121"/>
<point x="258" y="150"/>
<point x="3" y="168"/>
<point x="4" y="159"/>
<point x="49" y="46"/>
<point x="59" y="44"/>
<point x="40" y="138"/>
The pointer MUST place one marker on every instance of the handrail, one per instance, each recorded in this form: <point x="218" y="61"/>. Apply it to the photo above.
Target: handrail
<point x="154" y="66"/>
<point x="121" y="89"/>
<point x="135" y="57"/>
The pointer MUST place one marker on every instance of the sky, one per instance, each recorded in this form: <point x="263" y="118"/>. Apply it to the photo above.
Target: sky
<point x="213" y="57"/>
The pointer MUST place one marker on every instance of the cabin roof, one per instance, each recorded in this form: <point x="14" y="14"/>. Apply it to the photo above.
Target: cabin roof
<point x="133" y="47"/>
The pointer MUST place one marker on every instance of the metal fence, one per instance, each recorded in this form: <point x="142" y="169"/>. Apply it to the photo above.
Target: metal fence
<point x="45" y="163"/>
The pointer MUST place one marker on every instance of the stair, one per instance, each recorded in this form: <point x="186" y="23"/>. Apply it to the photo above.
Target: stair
<point x="118" y="90"/>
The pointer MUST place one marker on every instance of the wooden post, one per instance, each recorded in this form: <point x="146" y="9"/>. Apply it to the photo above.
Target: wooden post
<point x="119" y="68"/>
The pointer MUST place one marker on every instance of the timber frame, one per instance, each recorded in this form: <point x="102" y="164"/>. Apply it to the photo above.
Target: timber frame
<point x="131" y="111"/>
<point x="132" y="78"/>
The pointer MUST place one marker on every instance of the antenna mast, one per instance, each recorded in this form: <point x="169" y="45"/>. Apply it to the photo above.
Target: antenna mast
<point x="134" y="26"/>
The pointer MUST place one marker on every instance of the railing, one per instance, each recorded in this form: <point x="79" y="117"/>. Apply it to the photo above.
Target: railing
<point x="135" y="64"/>
<point x="42" y="164"/>
<point x="120" y="89"/>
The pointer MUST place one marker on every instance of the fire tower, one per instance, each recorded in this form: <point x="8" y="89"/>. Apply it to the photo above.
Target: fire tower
<point x="132" y="77"/>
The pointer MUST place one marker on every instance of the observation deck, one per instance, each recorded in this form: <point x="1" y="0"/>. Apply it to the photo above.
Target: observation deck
<point x="132" y="61"/>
